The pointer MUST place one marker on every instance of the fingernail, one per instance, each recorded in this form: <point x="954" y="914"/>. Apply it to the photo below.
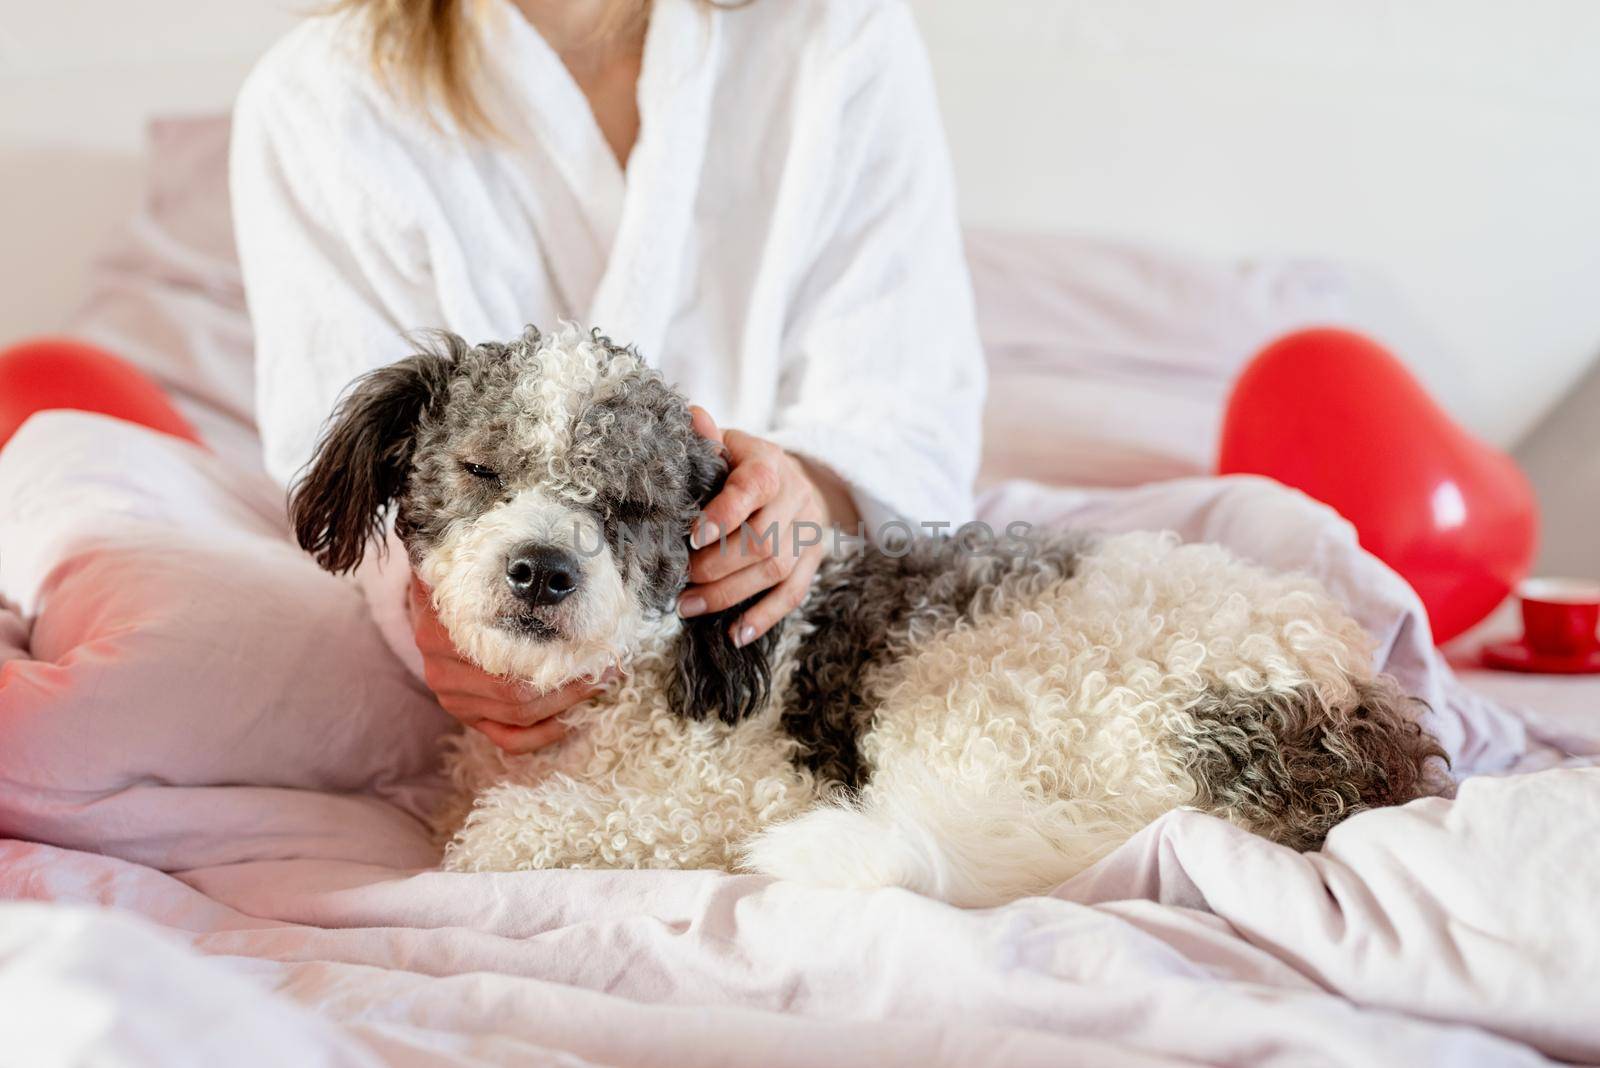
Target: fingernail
<point x="704" y="535"/>
<point x="688" y="607"/>
<point x="745" y="636"/>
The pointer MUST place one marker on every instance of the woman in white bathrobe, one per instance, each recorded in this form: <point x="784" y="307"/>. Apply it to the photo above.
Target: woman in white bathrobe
<point x="758" y="198"/>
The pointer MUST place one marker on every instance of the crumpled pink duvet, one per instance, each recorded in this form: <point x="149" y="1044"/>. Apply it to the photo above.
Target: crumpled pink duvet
<point x="230" y="769"/>
<point x="1445" y="933"/>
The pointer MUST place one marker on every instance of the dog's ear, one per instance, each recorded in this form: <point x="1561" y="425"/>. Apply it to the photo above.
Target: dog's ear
<point x="715" y="677"/>
<point x="708" y="469"/>
<point x="340" y="500"/>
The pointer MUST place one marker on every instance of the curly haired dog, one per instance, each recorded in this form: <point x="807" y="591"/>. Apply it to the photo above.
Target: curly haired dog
<point x="969" y="719"/>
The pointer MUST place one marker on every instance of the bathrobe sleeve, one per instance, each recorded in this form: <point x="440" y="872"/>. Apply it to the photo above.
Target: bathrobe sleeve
<point x="332" y="262"/>
<point x="883" y="375"/>
<point x="335" y="268"/>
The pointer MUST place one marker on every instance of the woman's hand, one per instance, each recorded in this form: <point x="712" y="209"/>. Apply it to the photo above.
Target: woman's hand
<point x="500" y="709"/>
<point x="769" y="492"/>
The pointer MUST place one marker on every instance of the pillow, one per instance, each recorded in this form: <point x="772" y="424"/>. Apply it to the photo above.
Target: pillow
<point x="167" y="294"/>
<point x="188" y="193"/>
<point x="1110" y="361"/>
<point x="194" y="691"/>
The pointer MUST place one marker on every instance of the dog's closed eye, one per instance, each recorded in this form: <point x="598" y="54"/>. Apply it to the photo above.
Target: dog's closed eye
<point x="488" y="474"/>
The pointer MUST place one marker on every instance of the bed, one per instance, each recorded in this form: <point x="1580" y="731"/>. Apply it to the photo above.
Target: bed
<point x="213" y="841"/>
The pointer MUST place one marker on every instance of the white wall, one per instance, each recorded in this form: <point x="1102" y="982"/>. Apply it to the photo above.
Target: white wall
<point x="78" y="78"/>
<point x="1452" y="144"/>
<point x="86" y="73"/>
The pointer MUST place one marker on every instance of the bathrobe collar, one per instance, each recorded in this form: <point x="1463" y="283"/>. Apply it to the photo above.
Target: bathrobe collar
<point x="616" y="238"/>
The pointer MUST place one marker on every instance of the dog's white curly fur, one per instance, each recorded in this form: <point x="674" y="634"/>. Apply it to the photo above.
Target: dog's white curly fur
<point x="569" y="368"/>
<point x="633" y="786"/>
<point x="1008" y="753"/>
<point x="469" y="562"/>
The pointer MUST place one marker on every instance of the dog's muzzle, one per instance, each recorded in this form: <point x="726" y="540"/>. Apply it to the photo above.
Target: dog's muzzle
<point x="542" y="575"/>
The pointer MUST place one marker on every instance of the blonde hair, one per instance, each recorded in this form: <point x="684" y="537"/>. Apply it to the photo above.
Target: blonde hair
<point x="429" y="52"/>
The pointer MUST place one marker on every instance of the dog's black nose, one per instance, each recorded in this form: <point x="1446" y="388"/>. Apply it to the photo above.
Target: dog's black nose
<point x="542" y="575"/>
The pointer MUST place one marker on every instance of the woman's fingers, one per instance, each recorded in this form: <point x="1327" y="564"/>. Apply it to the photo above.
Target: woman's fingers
<point x="760" y="572"/>
<point x="430" y="634"/>
<point x="766" y="534"/>
<point x="703" y="424"/>
<point x="456" y="684"/>
<point x="542" y="707"/>
<point x="520" y="710"/>
<point x="502" y="710"/>
<point x="519" y="740"/>
<point x="755" y="477"/>
<point x="783" y="598"/>
<point x="750" y="538"/>
<point x="450" y="677"/>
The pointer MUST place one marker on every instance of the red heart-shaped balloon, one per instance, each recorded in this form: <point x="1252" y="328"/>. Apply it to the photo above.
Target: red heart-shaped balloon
<point x="1333" y="414"/>
<point x="64" y="373"/>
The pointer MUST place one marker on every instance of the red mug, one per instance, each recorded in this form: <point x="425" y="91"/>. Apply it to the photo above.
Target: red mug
<point x="1560" y="615"/>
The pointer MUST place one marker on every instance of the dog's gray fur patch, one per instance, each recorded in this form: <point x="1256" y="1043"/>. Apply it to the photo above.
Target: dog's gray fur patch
<point x="1289" y="768"/>
<point x="870" y="607"/>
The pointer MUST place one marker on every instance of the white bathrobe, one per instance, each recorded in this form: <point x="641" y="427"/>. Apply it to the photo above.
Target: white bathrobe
<point x="783" y="244"/>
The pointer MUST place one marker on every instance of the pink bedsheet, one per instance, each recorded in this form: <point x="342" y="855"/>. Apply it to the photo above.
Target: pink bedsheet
<point x="1438" y="934"/>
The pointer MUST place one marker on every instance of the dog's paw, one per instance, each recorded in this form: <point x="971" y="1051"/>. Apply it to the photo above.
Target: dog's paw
<point x="835" y="847"/>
